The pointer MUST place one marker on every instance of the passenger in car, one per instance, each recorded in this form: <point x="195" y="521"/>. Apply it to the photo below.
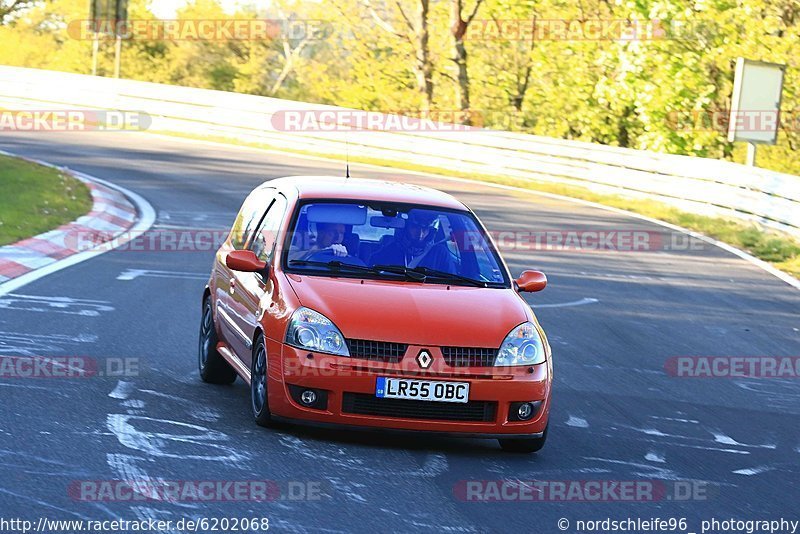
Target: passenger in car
<point x="329" y="237"/>
<point x="415" y="246"/>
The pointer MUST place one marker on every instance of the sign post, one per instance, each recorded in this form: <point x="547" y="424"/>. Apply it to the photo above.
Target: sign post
<point x="108" y="17"/>
<point x="756" y="104"/>
<point x="95" y="50"/>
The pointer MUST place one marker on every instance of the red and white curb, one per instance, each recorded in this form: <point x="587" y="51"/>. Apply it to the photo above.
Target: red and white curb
<point x="115" y="212"/>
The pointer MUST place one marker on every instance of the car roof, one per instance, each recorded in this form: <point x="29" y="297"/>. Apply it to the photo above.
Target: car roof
<point x="335" y="187"/>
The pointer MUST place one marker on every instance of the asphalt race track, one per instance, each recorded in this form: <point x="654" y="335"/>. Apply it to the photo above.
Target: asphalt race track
<point x="613" y="318"/>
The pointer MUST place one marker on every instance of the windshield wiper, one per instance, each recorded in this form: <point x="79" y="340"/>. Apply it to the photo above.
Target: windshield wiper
<point x="334" y="265"/>
<point x="421" y="273"/>
<point x="418" y="274"/>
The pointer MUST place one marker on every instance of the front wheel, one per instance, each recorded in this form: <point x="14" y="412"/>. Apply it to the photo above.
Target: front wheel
<point x="258" y="384"/>
<point x="213" y="367"/>
<point x="524" y="445"/>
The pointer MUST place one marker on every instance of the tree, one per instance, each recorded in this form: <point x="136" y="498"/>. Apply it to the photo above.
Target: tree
<point x="416" y="31"/>
<point x="458" y="29"/>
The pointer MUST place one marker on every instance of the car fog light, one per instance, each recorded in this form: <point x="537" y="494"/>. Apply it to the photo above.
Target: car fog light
<point x="308" y="397"/>
<point x="525" y="411"/>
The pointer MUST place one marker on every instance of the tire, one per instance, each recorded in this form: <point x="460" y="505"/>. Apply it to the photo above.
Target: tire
<point x="259" y="398"/>
<point x="213" y="367"/>
<point x="524" y="445"/>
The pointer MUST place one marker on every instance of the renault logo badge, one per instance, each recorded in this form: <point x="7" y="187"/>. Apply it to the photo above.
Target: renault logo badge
<point x="424" y="359"/>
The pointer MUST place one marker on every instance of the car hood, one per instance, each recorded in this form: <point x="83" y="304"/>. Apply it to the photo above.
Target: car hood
<point x="413" y="313"/>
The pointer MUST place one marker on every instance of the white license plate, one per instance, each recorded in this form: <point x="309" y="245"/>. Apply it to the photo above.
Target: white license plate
<point x="425" y="390"/>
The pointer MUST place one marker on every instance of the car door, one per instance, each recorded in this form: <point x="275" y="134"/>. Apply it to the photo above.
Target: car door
<point x="249" y="289"/>
<point x="253" y="211"/>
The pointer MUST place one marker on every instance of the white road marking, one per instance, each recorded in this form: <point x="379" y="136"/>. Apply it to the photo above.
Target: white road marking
<point x="658" y="472"/>
<point x="655" y="432"/>
<point x="206" y="414"/>
<point x="659" y="434"/>
<point x="333" y="454"/>
<point x="164" y="445"/>
<point x="692" y="421"/>
<point x="132" y="274"/>
<point x="581" y="302"/>
<point x="46" y="304"/>
<point x="435" y="465"/>
<point x="348" y="488"/>
<point x="33" y="344"/>
<point x="719" y="437"/>
<point x="122" y="390"/>
<point x="125" y="470"/>
<point x="753" y="470"/>
<point x="577" y="422"/>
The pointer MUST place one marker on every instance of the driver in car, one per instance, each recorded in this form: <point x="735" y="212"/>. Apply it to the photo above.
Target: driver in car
<point x="416" y="246"/>
<point x="329" y="237"/>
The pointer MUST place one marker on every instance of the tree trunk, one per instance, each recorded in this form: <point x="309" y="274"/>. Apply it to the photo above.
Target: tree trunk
<point x="424" y="68"/>
<point x="463" y="77"/>
<point x="459" y="29"/>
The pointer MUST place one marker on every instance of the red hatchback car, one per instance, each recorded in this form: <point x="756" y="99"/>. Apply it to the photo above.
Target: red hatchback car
<point x="376" y="305"/>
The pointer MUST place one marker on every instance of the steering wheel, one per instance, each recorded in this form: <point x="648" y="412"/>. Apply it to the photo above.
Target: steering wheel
<point x="327" y="255"/>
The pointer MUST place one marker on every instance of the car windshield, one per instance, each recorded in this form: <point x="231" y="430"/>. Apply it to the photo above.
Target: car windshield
<point x="392" y="241"/>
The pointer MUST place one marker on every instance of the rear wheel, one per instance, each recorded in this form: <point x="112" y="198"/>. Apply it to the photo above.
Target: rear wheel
<point x="213" y="367"/>
<point x="524" y="445"/>
<point x="258" y="384"/>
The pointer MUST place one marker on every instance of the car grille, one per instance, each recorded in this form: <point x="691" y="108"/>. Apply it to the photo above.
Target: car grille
<point x="381" y="351"/>
<point x="469" y="356"/>
<point x="364" y="404"/>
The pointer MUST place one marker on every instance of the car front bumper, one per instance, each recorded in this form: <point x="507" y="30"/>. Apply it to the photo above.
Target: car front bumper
<point x="350" y="385"/>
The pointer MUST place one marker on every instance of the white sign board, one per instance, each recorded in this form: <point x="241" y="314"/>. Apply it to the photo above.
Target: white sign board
<point x="756" y="102"/>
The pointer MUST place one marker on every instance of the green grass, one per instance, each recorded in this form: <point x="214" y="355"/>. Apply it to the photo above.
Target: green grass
<point x="35" y="199"/>
<point x="774" y="247"/>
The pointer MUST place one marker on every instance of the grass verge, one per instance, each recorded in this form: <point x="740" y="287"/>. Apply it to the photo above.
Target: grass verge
<point x="35" y="199"/>
<point x="777" y="248"/>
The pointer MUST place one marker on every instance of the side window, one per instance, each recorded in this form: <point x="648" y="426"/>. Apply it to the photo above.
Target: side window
<point x="249" y="216"/>
<point x="264" y="240"/>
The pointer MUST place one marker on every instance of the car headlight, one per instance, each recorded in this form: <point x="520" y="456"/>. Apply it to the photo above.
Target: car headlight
<point x="313" y="331"/>
<point x="522" y="346"/>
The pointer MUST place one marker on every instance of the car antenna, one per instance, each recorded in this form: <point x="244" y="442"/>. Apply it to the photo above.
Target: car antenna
<point x="347" y="158"/>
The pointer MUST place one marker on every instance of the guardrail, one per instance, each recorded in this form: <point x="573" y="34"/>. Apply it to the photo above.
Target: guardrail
<point x="699" y="185"/>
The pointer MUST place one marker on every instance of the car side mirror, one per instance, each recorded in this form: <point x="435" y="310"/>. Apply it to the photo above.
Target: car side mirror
<point x="245" y="261"/>
<point x="531" y="281"/>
